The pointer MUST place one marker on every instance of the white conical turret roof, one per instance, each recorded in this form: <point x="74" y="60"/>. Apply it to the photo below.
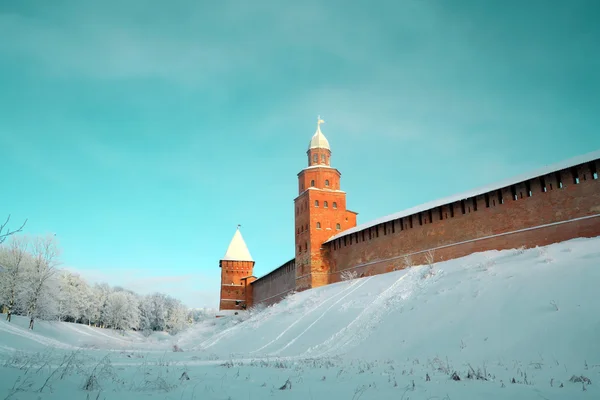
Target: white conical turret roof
<point x="319" y="141"/>
<point x="237" y="250"/>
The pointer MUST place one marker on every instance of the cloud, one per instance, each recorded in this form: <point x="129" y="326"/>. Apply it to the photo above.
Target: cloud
<point x="114" y="53"/>
<point x="195" y="43"/>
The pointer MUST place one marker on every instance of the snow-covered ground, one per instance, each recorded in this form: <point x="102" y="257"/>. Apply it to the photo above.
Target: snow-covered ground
<point x="518" y="324"/>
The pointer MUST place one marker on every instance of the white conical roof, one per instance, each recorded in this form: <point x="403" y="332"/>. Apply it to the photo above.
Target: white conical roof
<point x="237" y="250"/>
<point x="319" y="141"/>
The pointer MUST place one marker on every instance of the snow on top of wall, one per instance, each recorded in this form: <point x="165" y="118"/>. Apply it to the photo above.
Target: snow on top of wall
<point x="571" y="162"/>
<point x="273" y="271"/>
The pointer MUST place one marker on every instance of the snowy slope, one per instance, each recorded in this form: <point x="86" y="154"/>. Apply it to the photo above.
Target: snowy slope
<point x="532" y="316"/>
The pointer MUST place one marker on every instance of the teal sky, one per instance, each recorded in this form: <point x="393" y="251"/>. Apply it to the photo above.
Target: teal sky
<point x="143" y="132"/>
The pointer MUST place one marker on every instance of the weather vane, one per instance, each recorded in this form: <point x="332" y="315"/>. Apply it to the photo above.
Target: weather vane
<point x="319" y="120"/>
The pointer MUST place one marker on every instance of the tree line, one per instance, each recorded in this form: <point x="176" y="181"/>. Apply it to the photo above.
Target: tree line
<point x="32" y="285"/>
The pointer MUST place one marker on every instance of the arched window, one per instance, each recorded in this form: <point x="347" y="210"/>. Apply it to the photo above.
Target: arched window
<point x="334" y="204"/>
<point x="338" y="227"/>
<point x="305" y="246"/>
<point x="315" y="158"/>
<point x="318" y="225"/>
<point x="325" y="205"/>
<point x="312" y="183"/>
<point x="322" y="157"/>
<point x="326" y="182"/>
<point x="299" y="249"/>
<point x="316" y="203"/>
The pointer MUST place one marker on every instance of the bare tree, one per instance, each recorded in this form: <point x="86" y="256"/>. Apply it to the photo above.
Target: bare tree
<point x="5" y="231"/>
<point x="13" y="260"/>
<point x="45" y="254"/>
<point x="429" y="261"/>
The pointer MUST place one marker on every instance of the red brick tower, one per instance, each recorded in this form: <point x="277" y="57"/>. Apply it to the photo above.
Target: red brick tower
<point x="320" y="211"/>
<point x="236" y="275"/>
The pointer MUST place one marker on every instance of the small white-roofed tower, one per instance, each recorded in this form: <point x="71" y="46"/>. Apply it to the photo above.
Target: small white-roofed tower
<point x="236" y="266"/>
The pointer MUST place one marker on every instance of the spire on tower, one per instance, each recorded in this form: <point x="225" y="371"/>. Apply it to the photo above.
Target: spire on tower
<point x="319" y="141"/>
<point x="237" y="250"/>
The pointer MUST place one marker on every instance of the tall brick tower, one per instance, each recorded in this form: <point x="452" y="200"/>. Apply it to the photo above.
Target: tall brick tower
<point x="236" y="275"/>
<point x="320" y="211"/>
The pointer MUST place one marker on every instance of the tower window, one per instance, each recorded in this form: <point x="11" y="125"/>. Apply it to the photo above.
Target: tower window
<point x="338" y="227"/>
<point x="318" y="225"/>
<point x="305" y="246"/>
<point x="325" y="204"/>
<point x="327" y="182"/>
<point x="322" y="157"/>
<point x="299" y="249"/>
<point x="315" y="158"/>
<point x="316" y="203"/>
<point x="334" y="204"/>
<point x="312" y="183"/>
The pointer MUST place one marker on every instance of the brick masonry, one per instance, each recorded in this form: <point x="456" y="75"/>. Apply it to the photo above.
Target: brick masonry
<point x="547" y="209"/>
<point x="234" y="275"/>
<point x="535" y="218"/>
<point x="274" y="286"/>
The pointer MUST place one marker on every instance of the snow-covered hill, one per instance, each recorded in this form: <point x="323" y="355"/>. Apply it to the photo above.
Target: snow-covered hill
<point x="521" y="324"/>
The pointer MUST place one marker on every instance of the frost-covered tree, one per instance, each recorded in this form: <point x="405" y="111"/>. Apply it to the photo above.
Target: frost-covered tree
<point x="158" y="321"/>
<point x="91" y="310"/>
<point x="101" y="292"/>
<point x="201" y="314"/>
<point x="36" y="295"/>
<point x="177" y="316"/>
<point x="122" y="311"/>
<point x="12" y="259"/>
<point x="146" y="307"/>
<point x="31" y="284"/>
<point x="72" y="296"/>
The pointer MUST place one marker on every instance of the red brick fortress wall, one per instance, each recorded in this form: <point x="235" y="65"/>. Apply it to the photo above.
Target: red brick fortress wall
<point x="543" y="210"/>
<point x="274" y="286"/>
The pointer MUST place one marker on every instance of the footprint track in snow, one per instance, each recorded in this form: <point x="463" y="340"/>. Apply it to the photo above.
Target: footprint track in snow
<point x="320" y="317"/>
<point x="305" y="314"/>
